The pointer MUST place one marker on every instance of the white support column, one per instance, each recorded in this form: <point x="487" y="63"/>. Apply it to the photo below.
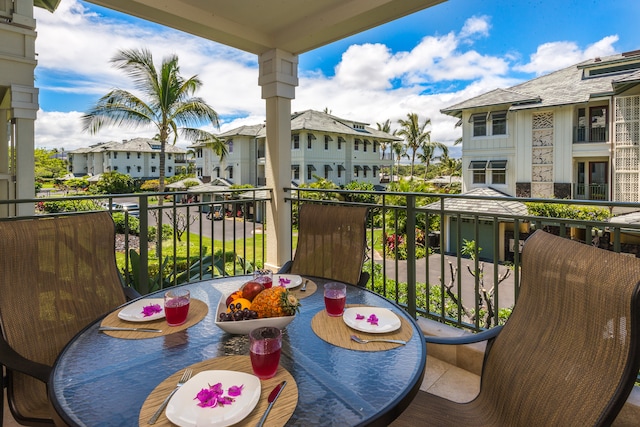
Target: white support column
<point x="278" y="79"/>
<point x="24" y="105"/>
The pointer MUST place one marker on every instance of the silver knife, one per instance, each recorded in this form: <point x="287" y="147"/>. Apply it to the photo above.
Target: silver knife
<point x="118" y="328"/>
<point x="272" y="399"/>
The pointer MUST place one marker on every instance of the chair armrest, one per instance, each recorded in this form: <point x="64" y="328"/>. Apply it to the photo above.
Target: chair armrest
<point x="487" y="335"/>
<point x="364" y="278"/>
<point x="15" y="362"/>
<point x="130" y="293"/>
<point x="286" y="267"/>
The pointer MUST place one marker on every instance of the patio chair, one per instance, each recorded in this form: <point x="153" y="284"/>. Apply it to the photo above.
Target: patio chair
<point x="568" y="355"/>
<point x="331" y="243"/>
<point x="57" y="275"/>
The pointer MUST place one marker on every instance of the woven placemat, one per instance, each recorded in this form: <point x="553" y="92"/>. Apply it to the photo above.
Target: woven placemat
<point x="311" y="288"/>
<point x="279" y="415"/>
<point x="197" y="311"/>
<point x="334" y="331"/>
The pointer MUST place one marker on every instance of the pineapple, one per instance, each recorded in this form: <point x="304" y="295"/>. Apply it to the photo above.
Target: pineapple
<point x="275" y="302"/>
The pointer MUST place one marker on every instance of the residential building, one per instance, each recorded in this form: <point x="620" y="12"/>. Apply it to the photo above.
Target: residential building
<point x="138" y="158"/>
<point x="322" y="145"/>
<point x="574" y="133"/>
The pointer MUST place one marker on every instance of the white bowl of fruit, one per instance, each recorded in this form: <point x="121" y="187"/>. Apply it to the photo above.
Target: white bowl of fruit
<point x="253" y="306"/>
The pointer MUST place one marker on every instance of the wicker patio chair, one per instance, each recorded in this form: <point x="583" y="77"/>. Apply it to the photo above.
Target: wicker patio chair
<point x="57" y="275"/>
<point x="568" y="355"/>
<point x="331" y="243"/>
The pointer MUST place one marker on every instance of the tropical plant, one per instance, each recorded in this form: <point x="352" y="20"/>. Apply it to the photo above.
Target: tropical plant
<point x="415" y="135"/>
<point x="114" y="183"/>
<point x="168" y="103"/>
<point x="428" y="152"/>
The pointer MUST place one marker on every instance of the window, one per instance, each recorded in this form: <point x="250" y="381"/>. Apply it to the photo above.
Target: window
<point x="169" y="169"/>
<point x="327" y="138"/>
<point x="139" y="168"/>
<point x="296" y="141"/>
<point x="168" y="156"/>
<point x="479" y="122"/>
<point x="230" y="169"/>
<point x="153" y="155"/>
<point x="115" y="155"/>
<point x="295" y="172"/>
<point x="366" y="142"/>
<point x="230" y="145"/>
<point x="498" y="170"/>
<point x="128" y="155"/>
<point x="327" y="169"/>
<point x="153" y="169"/>
<point x="310" y="170"/>
<point x="478" y="169"/>
<point x="356" y="145"/>
<point x="356" y="171"/>
<point x="375" y="146"/>
<point x="498" y="122"/>
<point x="139" y="155"/>
<point x="128" y="169"/>
<point x="365" y="169"/>
<point x="310" y="138"/>
<point x="340" y="141"/>
<point x="115" y="168"/>
<point x="340" y="170"/>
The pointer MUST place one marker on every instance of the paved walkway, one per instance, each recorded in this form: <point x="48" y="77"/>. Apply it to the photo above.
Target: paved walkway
<point x="505" y="290"/>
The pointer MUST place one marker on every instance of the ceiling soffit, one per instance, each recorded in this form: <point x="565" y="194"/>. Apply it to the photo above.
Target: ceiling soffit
<point x="257" y="26"/>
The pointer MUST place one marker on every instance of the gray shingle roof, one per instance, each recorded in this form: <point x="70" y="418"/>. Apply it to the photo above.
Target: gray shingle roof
<point x="132" y="145"/>
<point x="493" y="207"/>
<point x="315" y="121"/>
<point x="562" y="87"/>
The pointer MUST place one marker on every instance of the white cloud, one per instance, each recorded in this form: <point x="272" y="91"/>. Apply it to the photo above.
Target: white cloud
<point x="476" y="26"/>
<point x="557" y="55"/>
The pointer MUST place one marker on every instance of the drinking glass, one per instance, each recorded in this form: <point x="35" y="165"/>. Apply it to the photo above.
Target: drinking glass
<point x="263" y="276"/>
<point x="176" y="306"/>
<point x="265" y="344"/>
<point x="335" y="297"/>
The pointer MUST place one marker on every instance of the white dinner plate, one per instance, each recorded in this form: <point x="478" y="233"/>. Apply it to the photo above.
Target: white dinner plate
<point x="133" y="312"/>
<point x="387" y="319"/>
<point x="183" y="409"/>
<point x="294" y="280"/>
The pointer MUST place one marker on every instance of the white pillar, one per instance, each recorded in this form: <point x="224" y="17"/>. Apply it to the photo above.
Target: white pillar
<point x="24" y="105"/>
<point x="278" y="79"/>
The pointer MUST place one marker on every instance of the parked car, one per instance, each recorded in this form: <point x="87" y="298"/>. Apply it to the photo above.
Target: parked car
<point x="216" y="212"/>
<point x="132" y="208"/>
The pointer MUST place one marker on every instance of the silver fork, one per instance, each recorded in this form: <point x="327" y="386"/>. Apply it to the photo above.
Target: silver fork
<point x="185" y="377"/>
<point x="304" y="286"/>
<point x="361" y="341"/>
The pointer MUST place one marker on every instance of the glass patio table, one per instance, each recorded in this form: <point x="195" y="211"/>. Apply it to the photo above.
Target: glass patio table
<point x="100" y="380"/>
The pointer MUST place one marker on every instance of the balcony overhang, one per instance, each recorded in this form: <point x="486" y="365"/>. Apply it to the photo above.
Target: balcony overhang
<point x="257" y="26"/>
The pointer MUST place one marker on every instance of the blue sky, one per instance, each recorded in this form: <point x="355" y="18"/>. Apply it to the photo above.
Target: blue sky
<point x="421" y="63"/>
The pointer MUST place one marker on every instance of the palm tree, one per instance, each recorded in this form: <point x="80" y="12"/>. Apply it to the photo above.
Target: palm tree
<point x="451" y="167"/>
<point x="414" y="134"/>
<point x="428" y="152"/>
<point x="400" y="151"/>
<point x="386" y="127"/>
<point x="169" y="104"/>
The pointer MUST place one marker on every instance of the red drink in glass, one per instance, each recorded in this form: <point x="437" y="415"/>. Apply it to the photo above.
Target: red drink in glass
<point x="176" y="306"/>
<point x="265" y="365"/>
<point x="265" y="346"/>
<point x="265" y="280"/>
<point x="335" y="305"/>
<point x="335" y="297"/>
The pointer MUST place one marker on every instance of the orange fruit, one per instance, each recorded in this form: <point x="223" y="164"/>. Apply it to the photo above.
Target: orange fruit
<point x="244" y="303"/>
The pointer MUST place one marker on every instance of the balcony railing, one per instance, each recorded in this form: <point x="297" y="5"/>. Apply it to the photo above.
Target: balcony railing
<point x="591" y="191"/>
<point x="411" y="257"/>
<point x="595" y="134"/>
